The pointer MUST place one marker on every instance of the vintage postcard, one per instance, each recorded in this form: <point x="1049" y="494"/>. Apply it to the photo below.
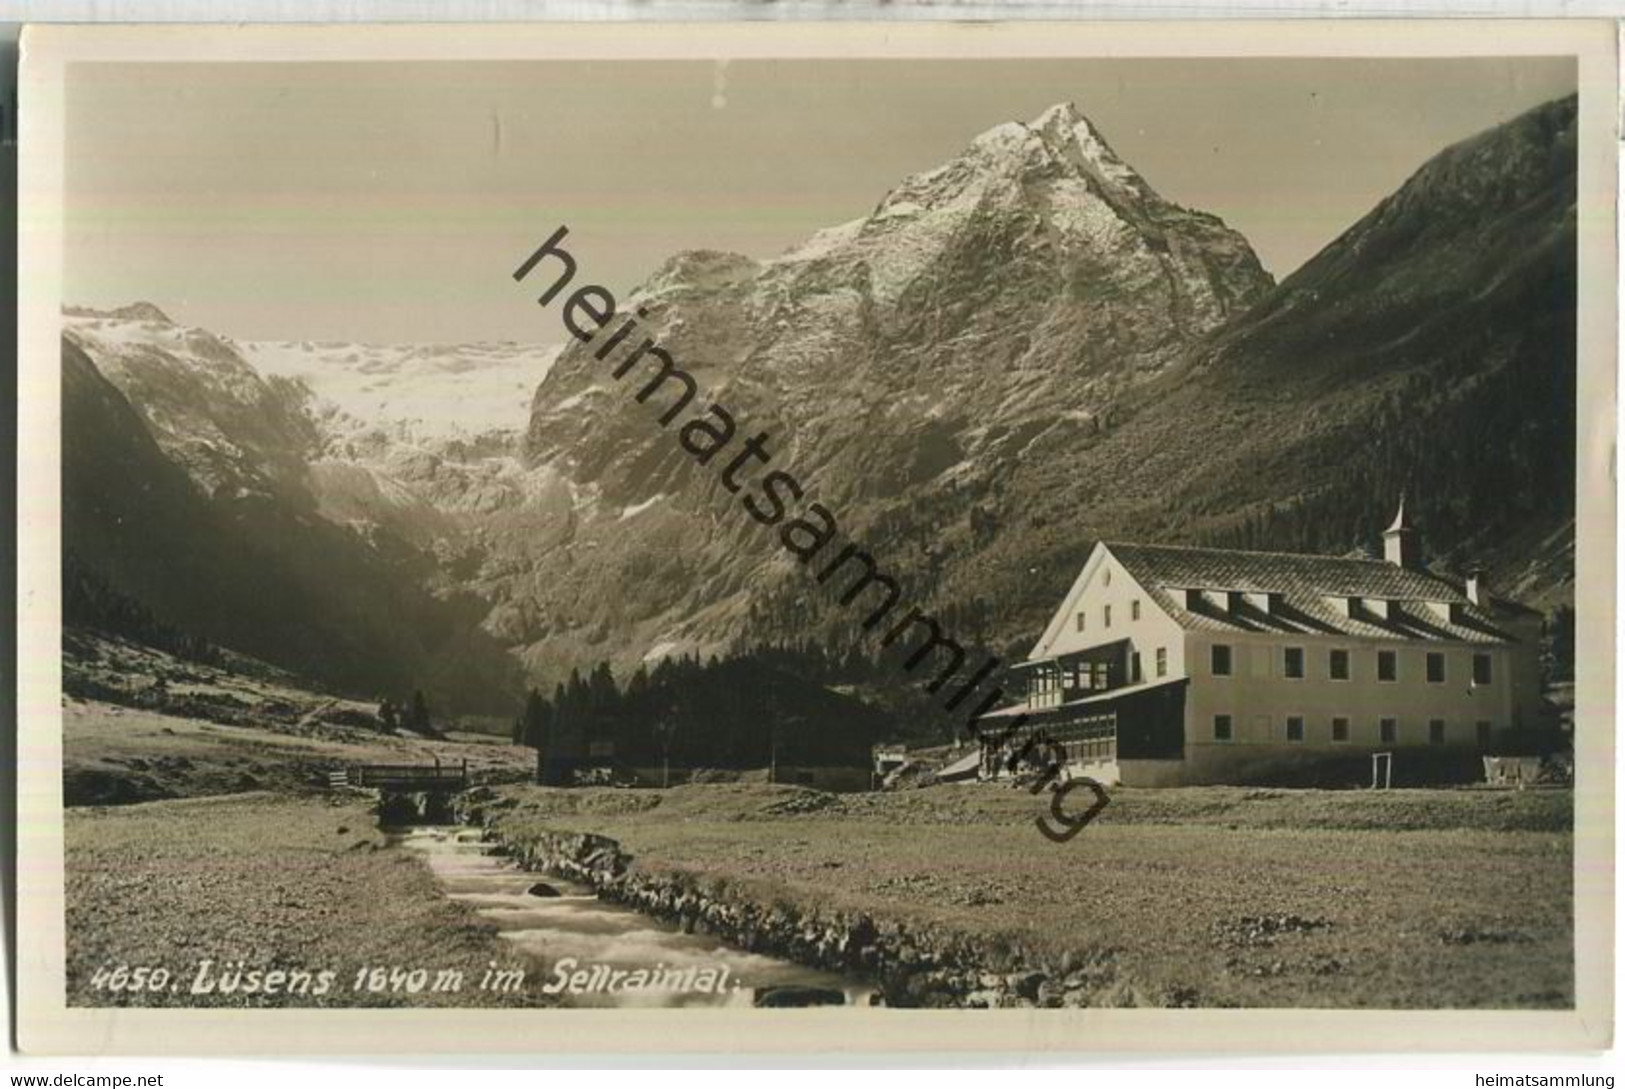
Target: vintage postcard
<point x="838" y="538"/>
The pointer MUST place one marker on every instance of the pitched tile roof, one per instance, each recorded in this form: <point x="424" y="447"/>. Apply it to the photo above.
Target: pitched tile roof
<point x="1304" y="583"/>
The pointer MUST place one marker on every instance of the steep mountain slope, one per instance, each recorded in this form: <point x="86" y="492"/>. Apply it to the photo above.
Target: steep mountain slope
<point x="186" y="487"/>
<point x="904" y="362"/>
<point x="420" y="440"/>
<point x="1430" y="349"/>
<point x="1025" y="350"/>
<point x="231" y="430"/>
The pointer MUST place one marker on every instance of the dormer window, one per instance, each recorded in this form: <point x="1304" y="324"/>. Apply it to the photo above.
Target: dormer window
<point x="1263" y="601"/>
<point x="1441" y="610"/>
<point x="1343" y="605"/>
<point x="1448" y="612"/>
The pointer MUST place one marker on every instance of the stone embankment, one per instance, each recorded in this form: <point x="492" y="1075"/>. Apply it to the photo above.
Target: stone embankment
<point x="910" y="968"/>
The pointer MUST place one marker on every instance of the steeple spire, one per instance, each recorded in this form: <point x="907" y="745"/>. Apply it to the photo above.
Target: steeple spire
<point x="1399" y="546"/>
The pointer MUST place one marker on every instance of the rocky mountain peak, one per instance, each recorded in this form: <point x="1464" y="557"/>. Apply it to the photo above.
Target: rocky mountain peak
<point x="207" y="408"/>
<point x="136" y="311"/>
<point x="1071" y="136"/>
<point x="905" y="359"/>
<point x="1028" y="162"/>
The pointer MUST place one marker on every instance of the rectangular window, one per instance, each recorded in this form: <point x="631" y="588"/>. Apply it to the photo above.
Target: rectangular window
<point x="1482" y="730"/>
<point x="1340" y="665"/>
<point x="1221" y="727"/>
<point x="1106" y="614"/>
<point x="1387" y="665"/>
<point x="1221" y="660"/>
<point x="1294" y="727"/>
<point x="1340" y="729"/>
<point x="1483" y="672"/>
<point x="1082" y="621"/>
<point x="1294" y="663"/>
<point x="1435" y="667"/>
<point x="1162" y="661"/>
<point x="1134" y="609"/>
<point x="1135" y="677"/>
<point x="1388" y="730"/>
<point x="1435" y="731"/>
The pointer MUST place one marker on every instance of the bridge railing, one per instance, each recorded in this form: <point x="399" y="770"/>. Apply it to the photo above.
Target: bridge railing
<point x="405" y="777"/>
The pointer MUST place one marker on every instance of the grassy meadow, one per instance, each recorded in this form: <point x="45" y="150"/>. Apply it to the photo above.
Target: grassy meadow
<point x="1220" y="896"/>
<point x="224" y="845"/>
<point x="272" y="882"/>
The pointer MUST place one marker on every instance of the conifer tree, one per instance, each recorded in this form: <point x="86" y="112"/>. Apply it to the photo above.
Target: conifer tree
<point x="418" y="717"/>
<point x="537" y="720"/>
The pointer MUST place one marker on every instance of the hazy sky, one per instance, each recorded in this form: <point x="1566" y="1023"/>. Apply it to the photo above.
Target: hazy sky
<point x="389" y="202"/>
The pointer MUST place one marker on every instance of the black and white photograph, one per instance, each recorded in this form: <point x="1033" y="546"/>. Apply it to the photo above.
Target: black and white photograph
<point x="1052" y="529"/>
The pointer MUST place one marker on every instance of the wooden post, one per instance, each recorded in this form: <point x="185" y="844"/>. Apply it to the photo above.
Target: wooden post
<point x="1384" y="761"/>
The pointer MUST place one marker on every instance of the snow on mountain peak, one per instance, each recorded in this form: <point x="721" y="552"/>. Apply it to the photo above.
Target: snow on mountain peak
<point x="1010" y="139"/>
<point x="1064" y="113"/>
<point x="1072" y="136"/>
<point x="1056" y="166"/>
<point x="1060" y="149"/>
<point x="136" y="311"/>
<point x="442" y="390"/>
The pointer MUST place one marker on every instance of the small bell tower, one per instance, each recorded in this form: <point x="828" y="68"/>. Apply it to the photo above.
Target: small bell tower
<point x="1400" y="545"/>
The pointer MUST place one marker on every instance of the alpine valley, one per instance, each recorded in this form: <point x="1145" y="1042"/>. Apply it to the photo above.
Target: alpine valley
<point x="1009" y="357"/>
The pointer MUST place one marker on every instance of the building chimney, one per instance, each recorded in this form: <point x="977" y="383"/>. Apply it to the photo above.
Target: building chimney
<point x="1399" y="544"/>
<point x="1478" y="588"/>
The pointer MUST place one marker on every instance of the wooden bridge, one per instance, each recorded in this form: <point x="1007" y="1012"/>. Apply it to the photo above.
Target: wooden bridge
<point x="436" y="778"/>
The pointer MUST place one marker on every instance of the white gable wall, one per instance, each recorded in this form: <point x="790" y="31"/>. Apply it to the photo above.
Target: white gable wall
<point x="1105" y="582"/>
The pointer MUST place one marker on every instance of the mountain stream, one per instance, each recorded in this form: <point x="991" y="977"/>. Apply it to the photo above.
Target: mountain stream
<point x="589" y="952"/>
